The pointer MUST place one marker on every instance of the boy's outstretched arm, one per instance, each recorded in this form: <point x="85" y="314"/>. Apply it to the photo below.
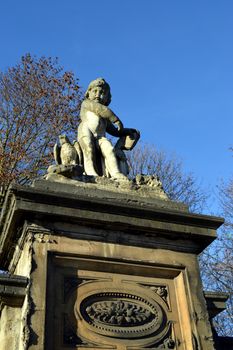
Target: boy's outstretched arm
<point x="112" y="130"/>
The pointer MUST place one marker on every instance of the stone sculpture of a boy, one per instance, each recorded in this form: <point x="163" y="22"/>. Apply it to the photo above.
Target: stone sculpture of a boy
<point x="96" y="119"/>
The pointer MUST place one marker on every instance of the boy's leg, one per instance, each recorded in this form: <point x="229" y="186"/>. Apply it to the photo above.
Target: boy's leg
<point x="108" y="153"/>
<point x="88" y="147"/>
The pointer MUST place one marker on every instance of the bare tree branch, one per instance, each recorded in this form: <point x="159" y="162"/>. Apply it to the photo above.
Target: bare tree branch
<point x="38" y="101"/>
<point x="179" y="186"/>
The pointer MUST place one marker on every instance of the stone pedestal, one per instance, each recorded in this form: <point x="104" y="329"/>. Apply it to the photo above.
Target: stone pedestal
<point x="104" y="270"/>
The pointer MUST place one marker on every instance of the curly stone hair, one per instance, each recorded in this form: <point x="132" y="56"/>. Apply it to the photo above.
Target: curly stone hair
<point x="100" y="82"/>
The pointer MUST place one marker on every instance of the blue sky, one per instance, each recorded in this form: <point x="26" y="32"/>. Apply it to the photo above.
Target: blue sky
<point x="169" y="64"/>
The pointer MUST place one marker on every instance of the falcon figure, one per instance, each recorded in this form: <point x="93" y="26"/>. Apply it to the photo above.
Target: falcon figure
<point x="66" y="153"/>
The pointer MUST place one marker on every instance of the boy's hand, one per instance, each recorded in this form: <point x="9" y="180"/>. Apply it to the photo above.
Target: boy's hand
<point x="119" y="125"/>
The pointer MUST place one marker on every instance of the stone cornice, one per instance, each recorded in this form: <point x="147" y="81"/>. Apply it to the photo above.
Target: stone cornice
<point x="93" y="207"/>
<point x="12" y="289"/>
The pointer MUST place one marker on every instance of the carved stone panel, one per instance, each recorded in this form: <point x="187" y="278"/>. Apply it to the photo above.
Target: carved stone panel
<point x="113" y="311"/>
<point x="95" y="309"/>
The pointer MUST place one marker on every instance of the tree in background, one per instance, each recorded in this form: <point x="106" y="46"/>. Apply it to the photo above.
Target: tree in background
<point x="179" y="186"/>
<point x="38" y="101"/>
<point x="217" y="261"/>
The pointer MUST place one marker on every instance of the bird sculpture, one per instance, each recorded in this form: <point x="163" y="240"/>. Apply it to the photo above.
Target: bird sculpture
<point x="66" y="153"/>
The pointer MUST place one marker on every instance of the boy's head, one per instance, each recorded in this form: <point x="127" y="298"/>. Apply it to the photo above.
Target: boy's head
<point x="99" y="90"/>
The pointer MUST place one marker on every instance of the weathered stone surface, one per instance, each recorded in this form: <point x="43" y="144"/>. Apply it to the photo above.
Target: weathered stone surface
<point x="216" y="302"/>
<point x="10" y="322"/>
<point x="67" y="171"/>
<point x="160" y="222"/>
<point x="107" y="268"/>
<point x="93" y="154"/>
<point x="149" y="187"/>
<point x="12" y="289"/>
<point x="96" y="119"/>
<point x="12" y="296"/>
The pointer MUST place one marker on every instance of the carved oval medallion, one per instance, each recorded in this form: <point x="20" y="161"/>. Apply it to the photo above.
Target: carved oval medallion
<point x="118" y="310"/>
<point x="120" y="314"/>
